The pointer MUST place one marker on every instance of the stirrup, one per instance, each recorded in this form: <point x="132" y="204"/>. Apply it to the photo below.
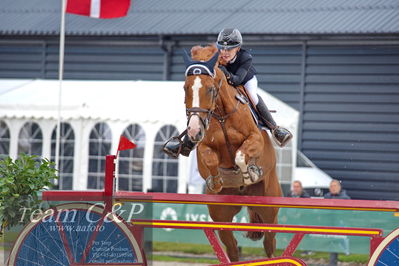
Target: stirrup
<point x="169" y="152"/>
<point x="285" y="140"/>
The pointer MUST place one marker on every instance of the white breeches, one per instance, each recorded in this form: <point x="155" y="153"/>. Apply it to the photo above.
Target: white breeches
<point x="251" y="86"/>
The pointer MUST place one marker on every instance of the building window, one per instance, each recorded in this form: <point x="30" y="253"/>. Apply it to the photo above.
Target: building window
<point x="131" y="162"/>
<point x="67" y="151"/>
<point x="4" y="140"/>
<point x="100" y="141"/>
<point x="164" y="168"/>
<point x="30" y="139"/>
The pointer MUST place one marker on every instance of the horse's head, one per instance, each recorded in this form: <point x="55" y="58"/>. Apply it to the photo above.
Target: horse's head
<point x="200" y="89"/>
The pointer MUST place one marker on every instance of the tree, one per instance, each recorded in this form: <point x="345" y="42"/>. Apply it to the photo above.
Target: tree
<point x="20" y="182"/>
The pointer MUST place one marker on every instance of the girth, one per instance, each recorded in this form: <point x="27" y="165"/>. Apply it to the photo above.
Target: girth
<point x="233" y="178"/>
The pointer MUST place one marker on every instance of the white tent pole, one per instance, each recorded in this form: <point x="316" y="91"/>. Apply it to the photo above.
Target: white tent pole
<point x="60" y="77"/>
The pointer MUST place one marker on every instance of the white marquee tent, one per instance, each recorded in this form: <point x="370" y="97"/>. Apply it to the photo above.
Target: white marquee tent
<point x="152" y="104"/>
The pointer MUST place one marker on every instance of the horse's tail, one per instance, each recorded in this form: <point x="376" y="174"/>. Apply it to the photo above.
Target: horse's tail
<point x="254" y="218"/>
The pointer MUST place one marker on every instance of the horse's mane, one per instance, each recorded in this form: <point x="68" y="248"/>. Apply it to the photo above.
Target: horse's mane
<point x="200" y="53"/>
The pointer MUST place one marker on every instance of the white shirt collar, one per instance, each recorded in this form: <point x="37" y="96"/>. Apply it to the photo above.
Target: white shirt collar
<point x="233" y="60"/>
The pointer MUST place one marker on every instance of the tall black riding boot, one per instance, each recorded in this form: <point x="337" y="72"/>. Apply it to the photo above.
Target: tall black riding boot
<point x="281" y="135"/>
<point x="173" y="149"/>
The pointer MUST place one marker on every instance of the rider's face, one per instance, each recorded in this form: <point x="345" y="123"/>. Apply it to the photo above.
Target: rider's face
<point x="228" y="55"/>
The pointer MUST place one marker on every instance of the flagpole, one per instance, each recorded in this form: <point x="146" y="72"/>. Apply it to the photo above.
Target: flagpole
<point x="60" y="78"/>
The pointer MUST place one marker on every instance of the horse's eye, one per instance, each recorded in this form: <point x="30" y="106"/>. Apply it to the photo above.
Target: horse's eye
<point x="211" y="90"/>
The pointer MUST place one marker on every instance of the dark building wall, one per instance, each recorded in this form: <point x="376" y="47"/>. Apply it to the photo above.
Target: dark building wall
<point x="347" y="93"/>
<point x="279" y="71"/>
<point x="351" y="116"/>
<point x="83" y="60"/>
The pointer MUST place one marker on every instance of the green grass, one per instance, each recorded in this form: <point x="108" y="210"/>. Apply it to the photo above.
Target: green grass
<point x="202" y="249"/>
<point x="199" y="249"/>
<point x="358" y="258"/>
<point x="188" y="248"/>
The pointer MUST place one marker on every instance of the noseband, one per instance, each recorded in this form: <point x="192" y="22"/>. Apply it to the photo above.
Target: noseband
<point x="199" y="69"/>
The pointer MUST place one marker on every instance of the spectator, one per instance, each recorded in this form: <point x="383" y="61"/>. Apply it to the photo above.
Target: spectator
<point x="336" y="191"/>
<point x="297" y="190"/>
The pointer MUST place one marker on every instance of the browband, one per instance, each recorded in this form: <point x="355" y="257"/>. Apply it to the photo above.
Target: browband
<point x="199" y="69"/>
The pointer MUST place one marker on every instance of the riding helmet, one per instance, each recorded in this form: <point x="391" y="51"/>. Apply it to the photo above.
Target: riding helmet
<point x="228" y="39"/>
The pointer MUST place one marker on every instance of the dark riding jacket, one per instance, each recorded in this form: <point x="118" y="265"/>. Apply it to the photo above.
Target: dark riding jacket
<point x="340" y="195"/>
<point x="304" y="194"/>
<point x="241" y="69"/>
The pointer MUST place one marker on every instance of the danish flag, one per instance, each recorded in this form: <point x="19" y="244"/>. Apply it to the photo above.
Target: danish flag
<point x="98" y="8"/>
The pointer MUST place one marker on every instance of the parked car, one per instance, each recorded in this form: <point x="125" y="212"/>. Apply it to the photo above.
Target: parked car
<point x="314" y="180"/>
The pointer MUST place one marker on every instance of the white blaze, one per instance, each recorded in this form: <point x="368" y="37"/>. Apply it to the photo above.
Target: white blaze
<point x="194" y="123"/>
<point x="196" y="87"/>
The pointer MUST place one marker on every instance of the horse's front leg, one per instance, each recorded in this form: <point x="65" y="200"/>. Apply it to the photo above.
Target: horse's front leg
<point x="246" y="156"/>
<point x="210" y="159"/>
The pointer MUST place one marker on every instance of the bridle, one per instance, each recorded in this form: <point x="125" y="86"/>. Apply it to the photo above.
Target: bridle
<point x="200" y="69"/>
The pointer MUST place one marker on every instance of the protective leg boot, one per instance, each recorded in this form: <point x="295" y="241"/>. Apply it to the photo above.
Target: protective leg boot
<point x="174" y="149"/>
<point x="281" y="135"/>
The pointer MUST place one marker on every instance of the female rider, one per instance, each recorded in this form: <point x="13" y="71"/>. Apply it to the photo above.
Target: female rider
<point x="236" y="63"/>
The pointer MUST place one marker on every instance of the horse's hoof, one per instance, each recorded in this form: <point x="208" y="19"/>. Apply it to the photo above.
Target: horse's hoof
<point x="254" y="236"/>
<point x="255" y="172"/>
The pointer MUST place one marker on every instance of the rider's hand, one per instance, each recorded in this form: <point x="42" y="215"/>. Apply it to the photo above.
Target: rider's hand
<point x="226" y="72"/>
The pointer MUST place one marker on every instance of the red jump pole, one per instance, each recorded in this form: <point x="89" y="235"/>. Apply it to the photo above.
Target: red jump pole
<point x="109" y="175"/>
<point x="217" y="247"/>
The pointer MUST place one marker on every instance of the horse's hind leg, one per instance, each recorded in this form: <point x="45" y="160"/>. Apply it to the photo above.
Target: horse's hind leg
<point x="226" y="214"/>
<point x="269" y="216"/>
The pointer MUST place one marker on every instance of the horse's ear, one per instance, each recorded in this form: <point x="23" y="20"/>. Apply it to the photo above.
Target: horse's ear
<point x="187" y="59"/>
<point x="212" y="62"/>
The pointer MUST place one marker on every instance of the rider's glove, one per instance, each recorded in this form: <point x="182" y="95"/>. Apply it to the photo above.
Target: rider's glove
<point x="226" y="73"/>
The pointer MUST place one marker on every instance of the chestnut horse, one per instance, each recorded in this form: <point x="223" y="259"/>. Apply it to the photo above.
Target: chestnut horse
<point x="234" y="156"/>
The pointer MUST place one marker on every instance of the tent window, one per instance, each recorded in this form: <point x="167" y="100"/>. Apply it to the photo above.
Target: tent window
<point x="100" y="141"/>
<point x="30" y="139"/>
<point x="131" y="162"/>
<point x="67" y="150"/>
<point x="164" y="168"/>
<point x="284" y="163"/>
<point x="4" y="140"/>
